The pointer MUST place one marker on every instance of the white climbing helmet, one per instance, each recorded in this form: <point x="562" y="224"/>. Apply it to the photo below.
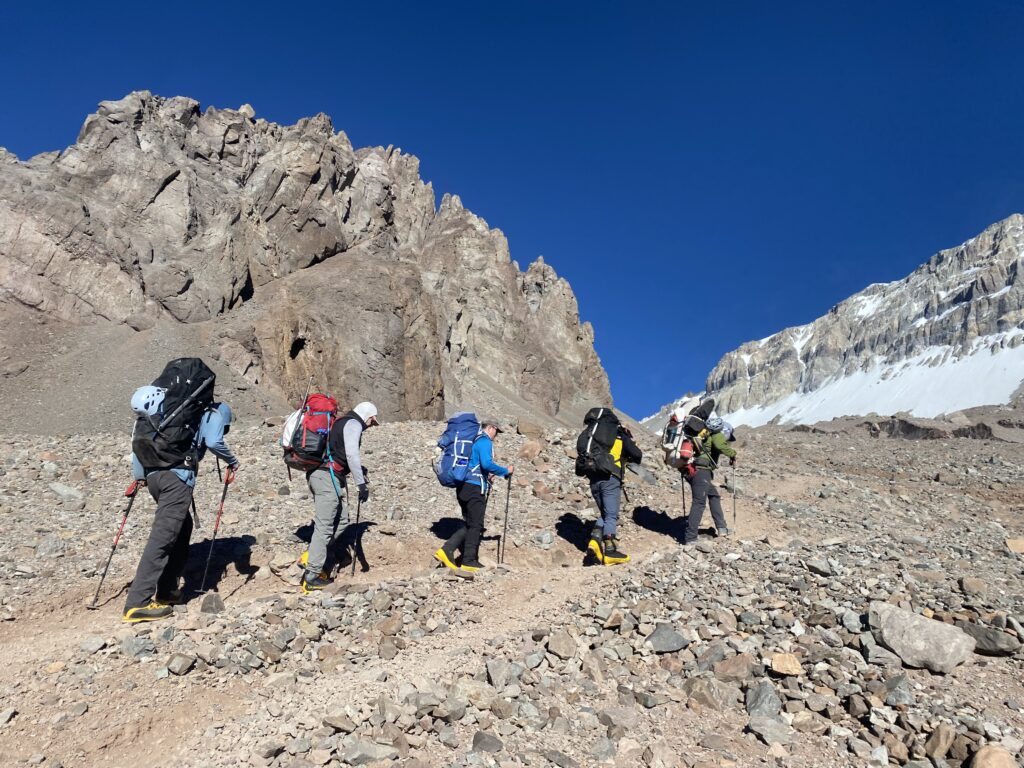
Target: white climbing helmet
<point x="147" y="400"/>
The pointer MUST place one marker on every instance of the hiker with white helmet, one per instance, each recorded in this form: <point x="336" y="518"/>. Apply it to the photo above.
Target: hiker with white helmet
<point x="328" y="483"/>
<point x="177" y="423"/>
<point x="711" y="447"/>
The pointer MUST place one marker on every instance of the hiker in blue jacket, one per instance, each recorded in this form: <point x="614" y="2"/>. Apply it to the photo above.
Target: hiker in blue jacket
<point x="472" y="498"/>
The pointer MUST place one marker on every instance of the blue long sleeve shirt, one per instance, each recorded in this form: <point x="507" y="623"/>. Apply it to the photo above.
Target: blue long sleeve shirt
<point x="481" y="463"/>
<point x="211" y="436"/>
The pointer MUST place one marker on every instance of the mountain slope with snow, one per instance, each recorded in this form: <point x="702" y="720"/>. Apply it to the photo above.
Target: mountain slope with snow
<point x="948" y="336"/>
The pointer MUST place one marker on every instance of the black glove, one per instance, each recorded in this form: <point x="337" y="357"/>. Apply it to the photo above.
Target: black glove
<point x="364" y="492"/>
<point x="732" y="461"/>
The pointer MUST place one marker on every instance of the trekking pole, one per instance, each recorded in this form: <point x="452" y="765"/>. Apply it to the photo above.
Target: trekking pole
<point x="130" y="492"/>
<point x="502" y="544"/>
<point x="732" y="485"/>
<point x="355" y="541"/>
<point x="216" y="527"/>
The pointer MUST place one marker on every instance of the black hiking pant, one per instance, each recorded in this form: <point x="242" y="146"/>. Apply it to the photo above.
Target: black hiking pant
<point x="704" y="492"/>
<point x="473" y="504"/>
<point x="163" y="560"/>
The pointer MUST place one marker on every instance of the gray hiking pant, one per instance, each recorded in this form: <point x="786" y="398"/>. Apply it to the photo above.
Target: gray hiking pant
<point x="607" y="495"/>
<point x="704" y="492"/>
<point x="163" y="560"/>
<point x="330" y="515"/>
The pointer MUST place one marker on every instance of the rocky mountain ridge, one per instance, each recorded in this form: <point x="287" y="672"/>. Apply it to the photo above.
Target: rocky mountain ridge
<point x="284" y="252"/>
<point x="947" y="337"/>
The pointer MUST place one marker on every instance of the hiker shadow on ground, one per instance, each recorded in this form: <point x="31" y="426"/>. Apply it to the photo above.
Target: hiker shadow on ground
<point x="347" y="545"/>
<point x="446" y="527"/>
<point x="231" y="551"/>
<point x="660" y="522"/>
<point x="574" y="530"/>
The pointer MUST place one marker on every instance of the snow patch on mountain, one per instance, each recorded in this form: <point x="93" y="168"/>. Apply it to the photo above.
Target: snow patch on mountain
<point x="936" y="381"/>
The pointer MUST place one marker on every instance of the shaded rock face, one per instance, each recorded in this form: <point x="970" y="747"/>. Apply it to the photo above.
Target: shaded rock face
<point x="310" y="256"/>
<point x="965" y="302"/>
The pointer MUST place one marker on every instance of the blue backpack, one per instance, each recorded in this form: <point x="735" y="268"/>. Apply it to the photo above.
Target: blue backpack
<point x="456" y="445"/>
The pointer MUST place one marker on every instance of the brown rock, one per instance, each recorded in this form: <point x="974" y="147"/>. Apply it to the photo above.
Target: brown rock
<point x="940" y="741"/>
<point x="530" y="450"/>
<point x="786" y="664"/>
<point x="993" y="756"/>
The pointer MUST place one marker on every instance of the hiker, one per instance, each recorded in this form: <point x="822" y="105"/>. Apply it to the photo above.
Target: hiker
<point x="606" y="488"/>
<point x="155" y="588"/>
<point x="471" y="494"/>
<point x="328" y="483"/>
<point x="702" y="487"/>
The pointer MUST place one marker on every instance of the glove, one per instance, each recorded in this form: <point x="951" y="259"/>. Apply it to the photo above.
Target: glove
<point x="366" y="475"/>
<point x="364" y="492"/>
<point x="229" y="476"/>
<point x="732" y="461"/>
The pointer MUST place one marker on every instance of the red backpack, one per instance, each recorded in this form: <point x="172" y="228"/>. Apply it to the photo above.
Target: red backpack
<point x="307" y="443"/>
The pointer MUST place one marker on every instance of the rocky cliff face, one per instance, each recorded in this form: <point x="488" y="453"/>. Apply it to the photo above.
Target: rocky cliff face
<point x="298" y="254"/>
<point x="946" y="337"/>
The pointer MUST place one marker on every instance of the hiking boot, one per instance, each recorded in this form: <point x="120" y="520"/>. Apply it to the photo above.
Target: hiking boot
<point x="445" y="559"/>
<point x="612" y="554"/>
<point x="471" y="565"/>
<point x="315" y="583"/>
<point x="152" y="612"/>
<point x="303" y="560"/>
<point x="594" y="548"/>
<point x="172" y="597"/>
<point x="723" y="532"/>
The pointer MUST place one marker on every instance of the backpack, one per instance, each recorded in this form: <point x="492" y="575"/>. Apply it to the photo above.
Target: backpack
<point x="683" y="438"/>
<point x="594" y="444"/>
<point x="169" y="439"/>
<point x="307" y="432"/>
<point x="456" y="444"/>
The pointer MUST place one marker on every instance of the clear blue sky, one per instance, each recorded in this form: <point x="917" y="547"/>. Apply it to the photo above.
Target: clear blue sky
<point x="703" y="174"/>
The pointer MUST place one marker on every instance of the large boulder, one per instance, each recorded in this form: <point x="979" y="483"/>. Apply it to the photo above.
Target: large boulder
<point x="918" y="641"/>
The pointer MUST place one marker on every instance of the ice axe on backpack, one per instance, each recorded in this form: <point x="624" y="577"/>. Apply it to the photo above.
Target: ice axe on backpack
<point x="130" y="492"/>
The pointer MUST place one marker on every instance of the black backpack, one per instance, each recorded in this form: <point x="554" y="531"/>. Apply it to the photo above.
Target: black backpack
<point x="594" y="445"/>
<point x="695" y="422"/>
<point x="168" y="440"/>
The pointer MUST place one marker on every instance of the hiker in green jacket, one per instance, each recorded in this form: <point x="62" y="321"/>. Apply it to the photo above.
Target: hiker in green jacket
<point x="702" y="486"/>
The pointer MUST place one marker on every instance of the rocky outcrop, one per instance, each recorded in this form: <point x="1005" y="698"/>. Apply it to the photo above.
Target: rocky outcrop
<point x="305" y="255"/>
<point x="948" y="336"/>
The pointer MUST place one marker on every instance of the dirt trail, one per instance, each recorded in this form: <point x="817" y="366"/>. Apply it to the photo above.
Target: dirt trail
<point x="126" y="710"/>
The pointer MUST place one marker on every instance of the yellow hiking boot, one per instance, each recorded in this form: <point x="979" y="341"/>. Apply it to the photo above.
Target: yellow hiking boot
<point x="152" y="612"/>
<point x="445" y="559"/>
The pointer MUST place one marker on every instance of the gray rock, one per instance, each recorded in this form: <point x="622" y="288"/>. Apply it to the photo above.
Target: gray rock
<point x="918" y="641"/>
<point x="66" y="492"/>
<point x="665" y="639"/>
<point x="560" y="759"/>
<point x="180" y="663"/>
<point x="137" y="646"/>
<point x="990" y="641"/>
<point x="93" y="644"/>
<point x="762" y="701"/>
<point x="212" y="603"/>
<point x="6" y="715"/>
<point x="269" y="749"/>
<point x="499" y="673"/>
<point x="484" y="741"/>
<point x="562" y="645"/>
<point x="771" y="730"/>
<point x="362" y="752"/>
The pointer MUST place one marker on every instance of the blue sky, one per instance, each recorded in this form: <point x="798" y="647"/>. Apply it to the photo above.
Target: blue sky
<point x="703" y="174"/>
